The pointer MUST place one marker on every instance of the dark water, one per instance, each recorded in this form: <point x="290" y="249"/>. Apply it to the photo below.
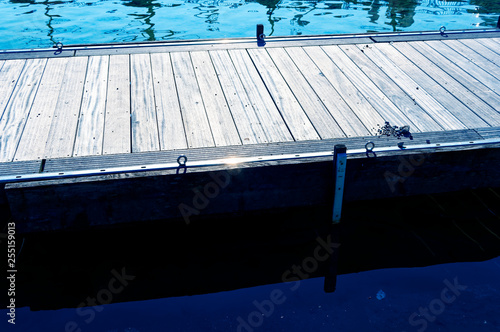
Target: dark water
<point x="353" y="307"/>
<point x="425" y="263"/>
<point x="34" y="24"/>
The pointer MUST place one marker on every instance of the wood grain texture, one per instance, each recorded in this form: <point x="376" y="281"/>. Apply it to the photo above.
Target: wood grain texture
<point x="381" y="101"/>
<point x="391" y="90"/>
<point x="247" y="122"/>
<point x="339" y="116"/>
<point x="482" y="50"/>
<point x="310" y="102"/>
<point x="35" y="134"/>
<point x="417" y="92"/>
<point x="271" y="120"/>
<point x="9" y="74"/>
<point x="62" y="132"/>
<point x="219" y="116"/>
<point x="351" y="95"/>
<point x="463" y="103"/>
<point x="490" y="66"/>
<point x="168" y="111"/>
<point x="490" y="43"/>
<point x="117" y="138"/>
<point x="90" y="131"/>
<point x="467" y="65"/>
<point x="284" y="85"/>
<point x="17" y="111"/>
<point x="143" y="109"/>
<point x="471" y="83"/>
<point x="195" y="118"/>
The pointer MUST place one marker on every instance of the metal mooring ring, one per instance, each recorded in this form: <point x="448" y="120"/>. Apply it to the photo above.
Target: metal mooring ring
<point x="182" y="160"/>
<point x="59" y="46"/>
<point x="369" y="146"/>
<point x="442" y="29"/>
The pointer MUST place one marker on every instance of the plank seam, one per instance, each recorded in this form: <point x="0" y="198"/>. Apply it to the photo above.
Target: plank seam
<point x="458" y="68"/>
<point x="105" y="107"/>
<point x="293" y="93"/>
<point x="31" y="106"/>
<point x="202" y="100"/>
<point x="12" y="92"/>
<point x="269" y="93"/>
<point x="154" y="99"/>
<point x="80" y="107"/>
<point x="224" y="95"/>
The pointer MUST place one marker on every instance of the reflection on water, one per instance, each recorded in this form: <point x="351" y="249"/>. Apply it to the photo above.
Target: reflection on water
<point x="34" y="23"/>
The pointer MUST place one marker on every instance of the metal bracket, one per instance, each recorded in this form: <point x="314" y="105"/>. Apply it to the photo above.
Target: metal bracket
<point x="339" y="164"/>
<point x="260" y="35"/>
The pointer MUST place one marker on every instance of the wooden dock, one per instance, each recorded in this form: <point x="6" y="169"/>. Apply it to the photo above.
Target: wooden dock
<point x="90" y="107"/>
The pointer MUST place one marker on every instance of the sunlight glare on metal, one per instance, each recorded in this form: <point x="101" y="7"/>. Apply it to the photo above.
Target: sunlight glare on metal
<point x="232" y="161"/>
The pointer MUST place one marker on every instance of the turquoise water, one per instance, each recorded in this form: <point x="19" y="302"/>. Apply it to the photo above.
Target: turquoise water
<point x="36" y="23"/>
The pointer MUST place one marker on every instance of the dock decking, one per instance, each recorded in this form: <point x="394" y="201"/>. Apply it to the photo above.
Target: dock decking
<point x="99" y="104"/>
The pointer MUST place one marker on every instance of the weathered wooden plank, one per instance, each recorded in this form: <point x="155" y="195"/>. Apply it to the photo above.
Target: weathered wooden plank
<point x="339" y="115"/>
<point x="271" y="119"/>
<point x="407" y="37"/>
<point x="310" y="102"/>
<point x="492" y="44"/>
<point x="117" y="119"/>
<point x="474" y="85"/>
<point x="62" y="132"/>
<point x="168" y="111"/>
<point x="195" y="118"/>
<point x="482" y="50"/>
<point x="245" y="118"/>
<point x="355" y="99"/>
<point x="143" y="109"/>
<point x="35" y="134"/>
<point x="381" y="99"/>
<point x="391" y="90"/>
<point x="491" y="132"/>
<point x="90" y="130"/>
<point x="9" y="74"/>
<point x="471" y="110"/>
<point x="281" y="87"/>
<point x="467" y="65"/>
<point x="437" y="111"/>
<point x="17" y="111"/>
<point x="219" y="116"/>
<point x="467" y="50"/>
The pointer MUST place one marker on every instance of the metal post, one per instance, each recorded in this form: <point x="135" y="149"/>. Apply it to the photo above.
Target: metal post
<point x="339" y="164"/>
<point x="260" y="35"/>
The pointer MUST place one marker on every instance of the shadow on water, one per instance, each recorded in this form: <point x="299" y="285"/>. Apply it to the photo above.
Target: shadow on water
<point x="271" y="6"/>
<point x="150" y="5"/>
<point x="48" y="7"/>
<point x="401" y="13"/>
<point x="171" y="258"/>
